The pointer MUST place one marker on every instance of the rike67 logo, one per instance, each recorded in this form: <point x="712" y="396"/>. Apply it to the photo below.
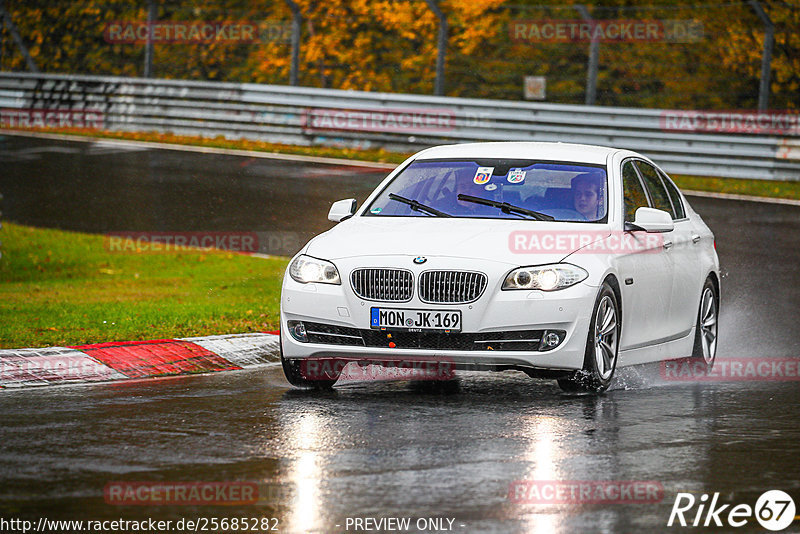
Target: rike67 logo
<point x="774" y="510"/>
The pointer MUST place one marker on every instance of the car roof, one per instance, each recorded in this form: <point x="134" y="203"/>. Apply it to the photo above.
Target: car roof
<point x="522" y="150"/>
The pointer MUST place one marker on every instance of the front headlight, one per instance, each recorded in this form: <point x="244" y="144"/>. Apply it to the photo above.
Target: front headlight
<point x="305" y="269"/>
<point x="545" y="277"/>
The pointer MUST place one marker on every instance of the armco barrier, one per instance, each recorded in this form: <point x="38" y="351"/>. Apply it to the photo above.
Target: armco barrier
<point x="311" y="116"/>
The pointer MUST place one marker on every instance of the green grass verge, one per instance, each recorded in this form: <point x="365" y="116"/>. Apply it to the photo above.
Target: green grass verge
<point x="66" y="288"/>
<point x="759" y="188"/>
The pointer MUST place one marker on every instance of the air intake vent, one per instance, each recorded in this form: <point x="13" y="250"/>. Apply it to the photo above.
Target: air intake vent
<point x="388" y="285"/>
<point x="451" y="287"/>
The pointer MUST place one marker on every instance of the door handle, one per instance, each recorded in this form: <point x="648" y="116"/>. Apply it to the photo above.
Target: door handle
<point x="695" y="238"/>
<point x="667" y="245"/>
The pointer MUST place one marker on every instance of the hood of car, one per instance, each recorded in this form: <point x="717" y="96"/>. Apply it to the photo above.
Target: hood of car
<point x="516" y="242"/>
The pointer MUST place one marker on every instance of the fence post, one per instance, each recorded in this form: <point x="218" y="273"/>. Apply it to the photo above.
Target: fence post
<point x="441" y="48"/>
<point x="591" y="68"/>
<point x="297" y="21"/>
<point x="766" y="55"/>
<point x="148" y="46"/>
<point x="12" y="29"/>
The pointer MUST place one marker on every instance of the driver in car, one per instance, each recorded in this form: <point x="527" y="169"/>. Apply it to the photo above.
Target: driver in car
<point x="465" y="185"/>
<point x="588" y="195"/>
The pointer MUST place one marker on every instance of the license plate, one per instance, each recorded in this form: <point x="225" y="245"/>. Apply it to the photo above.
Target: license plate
<point x="415" y="320"/>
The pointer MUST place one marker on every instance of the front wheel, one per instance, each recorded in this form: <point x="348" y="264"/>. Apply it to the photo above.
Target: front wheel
<point x="602" y="346"/>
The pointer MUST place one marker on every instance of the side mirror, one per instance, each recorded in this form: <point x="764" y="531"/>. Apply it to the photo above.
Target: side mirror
<point x="342" y="209"/>
<point x="651" y="220"/>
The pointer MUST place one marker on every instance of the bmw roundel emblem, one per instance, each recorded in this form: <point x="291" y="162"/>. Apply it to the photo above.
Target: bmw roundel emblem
<point x="420" y="260"/>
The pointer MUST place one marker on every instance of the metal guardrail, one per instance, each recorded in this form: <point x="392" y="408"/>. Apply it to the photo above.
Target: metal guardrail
<point x="312" y="116"/>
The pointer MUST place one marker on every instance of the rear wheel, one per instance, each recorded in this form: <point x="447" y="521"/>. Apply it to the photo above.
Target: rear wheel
<point x="705" y="336"/>
<point x="602" y="346"/>
<point x="294" y="374"/>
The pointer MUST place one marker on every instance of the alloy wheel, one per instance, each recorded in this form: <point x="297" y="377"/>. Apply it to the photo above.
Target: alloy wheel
<point x="708" y="325"/>
<point x="605" y="337"/>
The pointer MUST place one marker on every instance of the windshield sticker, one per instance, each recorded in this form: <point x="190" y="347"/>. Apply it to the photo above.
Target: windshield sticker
<point x="376" y="210"/>
<point x="483" y="175"/>
<point x="490" y="187"/>
<point x="516" y="176"/>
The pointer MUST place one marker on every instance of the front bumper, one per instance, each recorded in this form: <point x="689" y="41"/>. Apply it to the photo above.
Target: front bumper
<point x="568" y="310"/>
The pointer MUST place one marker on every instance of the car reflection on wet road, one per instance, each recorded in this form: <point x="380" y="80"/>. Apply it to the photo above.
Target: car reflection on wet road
<point x="395" y="449"/>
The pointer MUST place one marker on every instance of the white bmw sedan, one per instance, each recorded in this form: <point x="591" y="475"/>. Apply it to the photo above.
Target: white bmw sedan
<point x="563" y="261"/>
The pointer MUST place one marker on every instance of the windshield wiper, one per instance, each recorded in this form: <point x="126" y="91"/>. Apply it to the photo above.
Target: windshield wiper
<point x="505" y="207"/>
<point x="416" y="206"/>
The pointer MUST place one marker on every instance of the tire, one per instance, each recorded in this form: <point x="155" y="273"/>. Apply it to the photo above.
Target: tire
<point x="707" y="325"/>
<point x="602" y="347"/>
<point x="293" y="373"/>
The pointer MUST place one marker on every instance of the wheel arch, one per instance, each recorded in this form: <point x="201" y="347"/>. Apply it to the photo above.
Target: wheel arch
<point x="612" y="281"/>
<point x="715" y="280"/>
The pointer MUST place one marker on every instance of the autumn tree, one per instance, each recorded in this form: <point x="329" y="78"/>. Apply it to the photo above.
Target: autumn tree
<point x="390" y="45"/>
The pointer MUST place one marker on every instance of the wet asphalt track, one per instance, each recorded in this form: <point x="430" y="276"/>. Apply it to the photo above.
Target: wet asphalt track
<point x="391" y="449"/>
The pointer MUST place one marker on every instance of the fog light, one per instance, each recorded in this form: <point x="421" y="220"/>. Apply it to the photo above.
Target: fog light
<point x="297" y="331"/>
<point x="551" y="339"/>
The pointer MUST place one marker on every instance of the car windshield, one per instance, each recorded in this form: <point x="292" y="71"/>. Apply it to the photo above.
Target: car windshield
<point x="561" y="191"/>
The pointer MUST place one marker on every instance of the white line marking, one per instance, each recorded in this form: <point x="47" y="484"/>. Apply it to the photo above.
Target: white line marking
<point x="266" y="256"/>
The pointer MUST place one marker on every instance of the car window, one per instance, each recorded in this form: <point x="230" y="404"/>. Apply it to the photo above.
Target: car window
<point x="565" y="191"/>
<point x="656" y="187"/>
<point x="677" y="203"/>
<point x="635" y="197"/>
